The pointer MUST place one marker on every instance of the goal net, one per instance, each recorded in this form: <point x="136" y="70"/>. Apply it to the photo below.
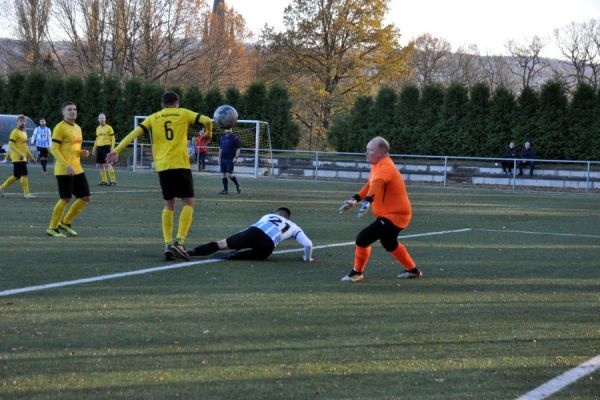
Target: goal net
<point x="256" y="156"/>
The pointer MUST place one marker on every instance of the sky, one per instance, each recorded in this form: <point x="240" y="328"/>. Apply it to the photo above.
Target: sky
<point x="488" y="24"/>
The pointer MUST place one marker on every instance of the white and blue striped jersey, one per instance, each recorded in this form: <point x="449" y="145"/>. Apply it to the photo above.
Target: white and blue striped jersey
<point x="279" y="229"/>
<point x="41" y="137"/>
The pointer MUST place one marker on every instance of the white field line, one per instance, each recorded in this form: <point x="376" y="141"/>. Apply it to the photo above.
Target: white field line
<point x="538" y="233"/>
<point x="10" y="292"/>
<point x="563" y="380"/>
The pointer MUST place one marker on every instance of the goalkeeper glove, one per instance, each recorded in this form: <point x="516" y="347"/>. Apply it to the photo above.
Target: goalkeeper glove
<point x="348" y="204"/>
<point x="364" y="206"/>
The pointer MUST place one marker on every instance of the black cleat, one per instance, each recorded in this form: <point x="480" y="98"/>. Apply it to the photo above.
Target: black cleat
<point x="169" y="256"/>
<point x="179" y="251"/>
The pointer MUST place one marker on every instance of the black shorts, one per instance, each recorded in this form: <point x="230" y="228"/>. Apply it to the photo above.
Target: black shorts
<point x="383" y="230"/>
<point x="42" y="152"/>
<point x="73" y="185"/>
<point x="252" y="238"/>
<point x="176" y="183"/>
<point x="227" y="165"/>
<point x="19" y="169"/>
<point x="101" y="153"/>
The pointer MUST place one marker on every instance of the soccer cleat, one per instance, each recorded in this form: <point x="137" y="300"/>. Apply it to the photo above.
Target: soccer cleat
<point x="55" y="233"/>
<point x="169" y="256"/>
<point x="29" y="196"/>
<point x="353" y="276"/>
<point x="239" y="190"/>
<point x="103" y="184"/>
<point x="112" y="184"/>
<point x="410" y="274"/>
<point x="67" y="228"/>
<point x="223" y="192"/>
<point x="179" y="251"/>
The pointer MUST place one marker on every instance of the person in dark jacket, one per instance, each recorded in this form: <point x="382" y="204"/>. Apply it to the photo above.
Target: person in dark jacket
<point x="510" y="154"/>
<point x="527" y="158"/>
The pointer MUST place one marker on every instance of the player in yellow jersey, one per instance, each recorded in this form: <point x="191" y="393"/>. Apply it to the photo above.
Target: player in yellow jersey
<point x="19" y="153"/>
<point x="168" y="128"/>
<point x="67" y="152"/>
<point x="104" y="144"/>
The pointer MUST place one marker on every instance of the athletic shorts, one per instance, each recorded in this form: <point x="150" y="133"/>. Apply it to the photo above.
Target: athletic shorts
<point x="101" y="153"/>
<point x="19" y="169"/>
<point x="42" y="152"/>
<point x="73" y="185"/>
<point x="176" y="183"/>
<point x="251" y="238"/>
<point x="227" y="166"/>
<point x="381" y="229"/>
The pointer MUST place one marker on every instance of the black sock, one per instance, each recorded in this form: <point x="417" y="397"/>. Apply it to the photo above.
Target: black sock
<point x="354" y="272"/>
<point x="234" y="179"/>
<point x="225" y="184"/>
<point x="204" y="250"/>
<point x="44" y="162"/>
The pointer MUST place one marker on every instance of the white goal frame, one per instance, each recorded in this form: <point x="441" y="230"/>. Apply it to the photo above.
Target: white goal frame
<point x="135" y="166"/>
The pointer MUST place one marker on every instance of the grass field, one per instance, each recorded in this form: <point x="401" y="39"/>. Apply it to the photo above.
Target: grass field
<point x="503" y="307"/>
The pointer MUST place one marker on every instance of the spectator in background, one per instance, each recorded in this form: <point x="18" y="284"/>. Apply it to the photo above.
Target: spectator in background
<point x="527" y="158"/>
<point x="41" y="138"/>
<point x="511" y="153"/>
<point x="201" y="141"/>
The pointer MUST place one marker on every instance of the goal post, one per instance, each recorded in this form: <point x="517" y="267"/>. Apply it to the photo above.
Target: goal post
<point x="256" y="156"/>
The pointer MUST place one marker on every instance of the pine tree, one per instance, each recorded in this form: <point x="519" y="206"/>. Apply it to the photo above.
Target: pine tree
<point x="339" y="131"/>
<point x="582" y="120"/>
<point x="430" y="107"/>
<point x="2" y="94"/>
<point x="90" y="106"/>
<point x="52" y="99"/>
<point x="30" y="103"/>
<point x="14" y="86"/>
<point x="404" y="139"/>
<point x="361" y="122"/>
<point x="527" y="114"/>
<point x="233" y="97"/>
<point x="502" y="121"/>
<point x="285" y="134"/>
<point x="450" y="136"/>
<point x="212" y="101"/>
<point x="111" y="104"/>
<point x="192" y="99"/>
<point x="73" y="90"/>
<point x="254" y="102"/>
<point x="476" y="124"/>
<point x="384" y="117"/>
<point x="552" y="122"/>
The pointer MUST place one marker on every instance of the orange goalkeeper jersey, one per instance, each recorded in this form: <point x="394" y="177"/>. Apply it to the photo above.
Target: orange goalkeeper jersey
<point x="390" y="199"/>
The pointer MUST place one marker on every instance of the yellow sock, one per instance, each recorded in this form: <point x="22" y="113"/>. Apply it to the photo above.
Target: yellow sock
<point x="59" y="209"/>
<point x="167" y="225"/>
<point x="103" y="175"/>
<point x="111" y="172"/>
<point x="185" y="221"/>
<point x="8" y="182"/>
<point x="75" y="210"/>
<point x="25" y="184"/>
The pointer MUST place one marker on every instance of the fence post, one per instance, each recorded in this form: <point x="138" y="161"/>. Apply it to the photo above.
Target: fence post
<point x="316" y="164"/>
<point x="587" y="178"/>
<point x="445" y="169"/>
<point x="514" y="177"/>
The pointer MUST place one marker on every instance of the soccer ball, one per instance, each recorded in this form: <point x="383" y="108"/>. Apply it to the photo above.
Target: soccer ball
<point x="225" y="117"/>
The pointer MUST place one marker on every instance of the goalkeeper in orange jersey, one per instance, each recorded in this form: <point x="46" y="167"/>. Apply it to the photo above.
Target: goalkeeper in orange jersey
<point x="169" y="129"/>
<point x="386" y="192"/>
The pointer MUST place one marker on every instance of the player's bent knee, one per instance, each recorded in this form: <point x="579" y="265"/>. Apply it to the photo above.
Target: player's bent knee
<point x="389" y="245"/>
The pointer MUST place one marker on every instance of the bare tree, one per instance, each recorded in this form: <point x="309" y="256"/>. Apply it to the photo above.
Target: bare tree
<point x="463" y="65"/>
<point x="574" y="43"/>
<point x="527" y="57"/>
<point x="496" y="72"/>
<point x="428" y="58"/>
<point x="32" y="24"/>
<point x="593" y="32"/>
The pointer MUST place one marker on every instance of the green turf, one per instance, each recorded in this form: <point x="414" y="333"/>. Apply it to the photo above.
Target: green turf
<point x="496" y="315"/>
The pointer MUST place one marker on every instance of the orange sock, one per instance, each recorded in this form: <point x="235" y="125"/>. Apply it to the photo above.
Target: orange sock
<point x="401" y="254"/>
<point x="361" y="256"/>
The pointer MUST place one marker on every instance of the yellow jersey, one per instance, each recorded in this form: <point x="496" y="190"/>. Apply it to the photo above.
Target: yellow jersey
<point x="169" y="131"/>
<point x="105" y="136"/>
<point x="19" y="149"/>
<point x="66" y="147"/>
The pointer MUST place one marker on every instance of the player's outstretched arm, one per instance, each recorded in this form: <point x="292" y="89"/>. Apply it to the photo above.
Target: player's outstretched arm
<point x="348" y="204"/>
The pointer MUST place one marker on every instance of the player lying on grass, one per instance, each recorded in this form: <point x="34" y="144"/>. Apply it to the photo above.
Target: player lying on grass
<point x="258" y="241"/>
